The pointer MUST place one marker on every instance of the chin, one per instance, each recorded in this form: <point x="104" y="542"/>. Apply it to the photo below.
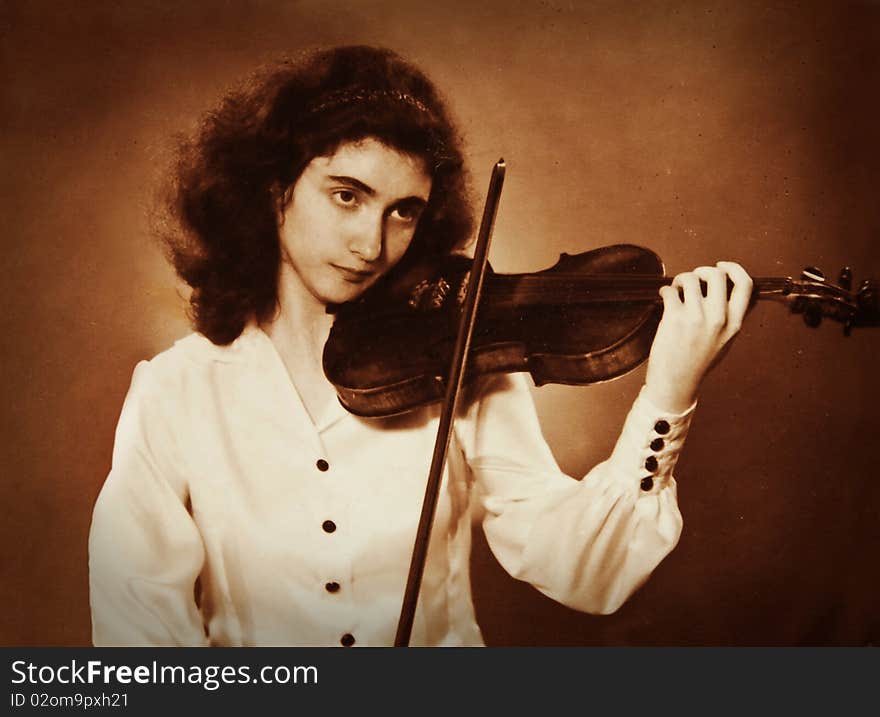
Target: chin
<point x="344" y="293"/>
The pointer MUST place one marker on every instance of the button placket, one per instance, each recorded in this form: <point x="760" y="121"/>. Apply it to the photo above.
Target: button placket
<point x="662" y="427"/>
<point x="336" y="526"/>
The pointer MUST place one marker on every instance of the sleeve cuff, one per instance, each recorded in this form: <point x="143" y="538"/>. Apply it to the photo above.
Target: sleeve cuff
<point x="649" y="445"/>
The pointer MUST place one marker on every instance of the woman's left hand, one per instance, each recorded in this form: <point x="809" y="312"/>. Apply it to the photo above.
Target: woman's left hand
<point x="694" y="331"/>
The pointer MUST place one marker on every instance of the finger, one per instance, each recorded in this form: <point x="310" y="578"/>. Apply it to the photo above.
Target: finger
<point x="741" y="295"/>
<point x="693" y="295"/>
<point x="715" y="304"/>
<point x="671" y="300"/>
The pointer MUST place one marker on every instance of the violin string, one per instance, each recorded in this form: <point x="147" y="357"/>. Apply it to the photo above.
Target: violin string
<point x="587" y="288"/>
<point x="518" y="291"/>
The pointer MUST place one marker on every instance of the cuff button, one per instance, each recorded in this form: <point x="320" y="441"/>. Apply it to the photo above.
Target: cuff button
<point x="657" y="444"/>
<point x="647" y="483"/>
<point x="662" y="427"/>
<point x="651" y="464"/>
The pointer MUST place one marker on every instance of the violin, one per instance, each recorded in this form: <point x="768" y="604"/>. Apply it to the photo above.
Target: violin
<point x="590" y="317"/>
<point x="428" y="328"/>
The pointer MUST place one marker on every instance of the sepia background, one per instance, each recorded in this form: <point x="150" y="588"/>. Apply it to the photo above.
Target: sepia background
<point x="703" y="130"/>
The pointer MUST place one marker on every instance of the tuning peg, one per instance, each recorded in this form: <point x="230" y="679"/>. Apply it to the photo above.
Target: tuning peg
<point x="868" y="301"/>
<point x="845" y="279"/>
<point x="811" y="273"/>
<point x="812" y="314"/>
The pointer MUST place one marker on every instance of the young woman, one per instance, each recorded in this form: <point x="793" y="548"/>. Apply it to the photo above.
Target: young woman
<point x="246" y="507"/>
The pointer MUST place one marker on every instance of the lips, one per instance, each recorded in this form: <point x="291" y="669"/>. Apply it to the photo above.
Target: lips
<point x="355" y="276"/>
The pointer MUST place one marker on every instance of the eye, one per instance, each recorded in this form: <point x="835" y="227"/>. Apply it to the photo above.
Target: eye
<point x="406" y="213"/>
<point x="345" y="197"/>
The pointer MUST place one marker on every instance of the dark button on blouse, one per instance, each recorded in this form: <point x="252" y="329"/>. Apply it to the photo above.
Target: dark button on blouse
<point x="651" y="463"/>
<point x="329" y="526"/>
<point x="657" y="444"/>
<point x="332" y="587"/>
<point x="322" y="465"/>
<point x="662" y="427"/>
<point x="347" y="640"/>
<point x="647" y="483"/>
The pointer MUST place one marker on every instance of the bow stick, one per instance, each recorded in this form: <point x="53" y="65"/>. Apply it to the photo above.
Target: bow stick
<point x="450" y="402"/>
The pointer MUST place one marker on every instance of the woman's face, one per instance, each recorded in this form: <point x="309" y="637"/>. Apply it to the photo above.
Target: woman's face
<point x="349" y="218"/>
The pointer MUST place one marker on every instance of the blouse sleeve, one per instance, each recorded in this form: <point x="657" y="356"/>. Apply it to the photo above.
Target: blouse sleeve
<point x="145" y="552"/>
<point x="588" y="543"/>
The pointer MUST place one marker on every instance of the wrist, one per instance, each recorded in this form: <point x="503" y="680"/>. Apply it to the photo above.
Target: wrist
<point x="674" y="398"/>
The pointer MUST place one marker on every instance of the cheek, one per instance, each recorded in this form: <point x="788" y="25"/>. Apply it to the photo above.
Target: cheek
<point x="301" y="235"/>
<point x="397" y="243"/>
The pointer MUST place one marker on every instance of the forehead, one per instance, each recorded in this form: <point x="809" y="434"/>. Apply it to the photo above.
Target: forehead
<point x="388" y="171"/>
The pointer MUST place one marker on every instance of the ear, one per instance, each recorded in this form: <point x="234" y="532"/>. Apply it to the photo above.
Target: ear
<point x="282" y="203"/>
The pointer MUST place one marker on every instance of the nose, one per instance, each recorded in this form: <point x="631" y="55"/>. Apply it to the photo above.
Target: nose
<point x="368" y="238"/>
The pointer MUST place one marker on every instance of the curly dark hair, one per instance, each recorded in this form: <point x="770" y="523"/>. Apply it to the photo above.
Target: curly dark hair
<point x="231" y="176"/>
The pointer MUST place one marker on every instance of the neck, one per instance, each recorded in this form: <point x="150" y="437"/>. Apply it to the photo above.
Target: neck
<point x="512" y="289"/>
<point x="301" y="326"/>
<point x="299" y="332"/>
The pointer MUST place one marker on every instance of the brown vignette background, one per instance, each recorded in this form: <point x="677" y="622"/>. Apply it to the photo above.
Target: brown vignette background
<point x="703" y="130"/>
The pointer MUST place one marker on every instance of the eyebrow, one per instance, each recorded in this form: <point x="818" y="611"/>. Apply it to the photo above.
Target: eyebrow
<point x="368" y="190"/>
<point x="352" y="182"/>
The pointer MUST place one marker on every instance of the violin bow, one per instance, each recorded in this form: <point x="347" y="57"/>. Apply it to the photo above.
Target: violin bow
<point x="450" y="403"/>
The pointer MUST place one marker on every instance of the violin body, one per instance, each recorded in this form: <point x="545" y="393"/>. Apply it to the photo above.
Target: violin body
<point x="389" y="352"/>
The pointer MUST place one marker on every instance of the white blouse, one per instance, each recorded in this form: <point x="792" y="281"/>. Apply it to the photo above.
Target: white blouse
<point x="230" y="518"/>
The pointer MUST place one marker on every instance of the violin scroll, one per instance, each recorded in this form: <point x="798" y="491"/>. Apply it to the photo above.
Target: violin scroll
<point x="868" y="303"/>
<point x="816" y="298"/>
